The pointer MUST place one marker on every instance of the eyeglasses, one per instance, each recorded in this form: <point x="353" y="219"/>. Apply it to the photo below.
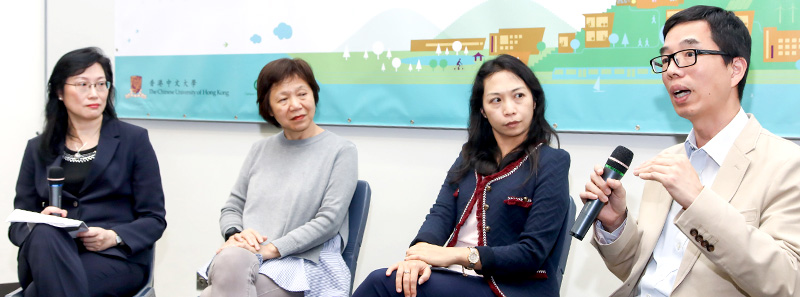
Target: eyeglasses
<point x="683" y="58"/>
<point x="85" y="87"/>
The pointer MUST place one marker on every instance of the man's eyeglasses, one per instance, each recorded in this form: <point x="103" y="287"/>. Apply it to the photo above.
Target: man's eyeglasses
<point x="85" y="87"/>
<point x="683" y="58"/>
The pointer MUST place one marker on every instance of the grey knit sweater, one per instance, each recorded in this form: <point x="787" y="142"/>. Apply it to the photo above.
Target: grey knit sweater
<point x="294" y="192"/>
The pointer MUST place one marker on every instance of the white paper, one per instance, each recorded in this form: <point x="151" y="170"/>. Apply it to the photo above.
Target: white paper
<point x="23" y="216"/>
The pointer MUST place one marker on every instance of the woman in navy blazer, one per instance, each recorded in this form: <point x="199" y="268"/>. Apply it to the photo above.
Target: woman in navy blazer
<point x="112" y="183"/>
<point x="498" y="219"/>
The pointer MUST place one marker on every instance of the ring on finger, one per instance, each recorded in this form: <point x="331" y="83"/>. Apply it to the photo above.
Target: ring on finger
<point x="406" y="271"/>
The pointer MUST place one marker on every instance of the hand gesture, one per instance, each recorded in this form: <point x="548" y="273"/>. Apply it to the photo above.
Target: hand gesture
<point x="675" y="173"/>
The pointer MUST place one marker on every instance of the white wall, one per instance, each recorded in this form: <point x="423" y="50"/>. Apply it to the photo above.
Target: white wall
<point x="22" y="85"/>
<point x="199" y="160"/>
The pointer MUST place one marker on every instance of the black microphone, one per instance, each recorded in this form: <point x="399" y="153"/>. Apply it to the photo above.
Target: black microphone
<point x="615" y="168"/>
<point x="55" y="176"/>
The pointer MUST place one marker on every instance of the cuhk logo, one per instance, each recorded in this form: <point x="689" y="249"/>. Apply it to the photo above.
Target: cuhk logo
<point x="136" y="88"/>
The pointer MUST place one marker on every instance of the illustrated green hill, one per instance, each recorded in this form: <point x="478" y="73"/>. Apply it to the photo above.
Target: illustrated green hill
<point x="394" y="28"/>
<point x="516" y="14"/>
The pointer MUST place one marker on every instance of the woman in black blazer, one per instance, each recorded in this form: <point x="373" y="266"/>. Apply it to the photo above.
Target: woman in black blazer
<point x="112" y="182"/>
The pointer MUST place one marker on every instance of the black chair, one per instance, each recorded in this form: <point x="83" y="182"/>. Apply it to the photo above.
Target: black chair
<point x="147" y="290"/>
<point x="568" y="221"/>
<point x="358" y="212"/>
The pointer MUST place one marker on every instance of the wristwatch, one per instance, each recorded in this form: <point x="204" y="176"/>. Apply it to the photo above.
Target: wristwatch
<point x="119" y="240"/>
<point x="473" y="257"/>
<point x="230" y="232"/>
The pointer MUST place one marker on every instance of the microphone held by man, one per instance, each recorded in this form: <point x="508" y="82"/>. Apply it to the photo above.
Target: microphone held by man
<point x="615" y="168"/>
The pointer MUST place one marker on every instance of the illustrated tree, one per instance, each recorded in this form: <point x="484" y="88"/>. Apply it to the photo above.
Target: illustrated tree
<point x="575" y="44"/>
<point x="389" y="54"/>
<point x="466" y="50"/>
<point x="346" y="54"/>
<point x="457" y="46"/>
<point x="443" y="63"/>
<point x="366" y="55"/>
<point x="383" y="67"/>
<point x="438" y="49"/>
<point x="447" y="52"/>
<point x="419" y="65"/>
<point x="433" y="64"/>
<point x="377" y="49"/>
<point x="396" y="63"/>
<point x="541" y="46"/>
<point x="410" y="67"/>
<point x="625" y="40"/>
<point x="613" y="38"/>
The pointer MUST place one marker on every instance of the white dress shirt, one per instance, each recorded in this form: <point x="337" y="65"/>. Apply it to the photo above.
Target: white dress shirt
<point x="661" y="271"/>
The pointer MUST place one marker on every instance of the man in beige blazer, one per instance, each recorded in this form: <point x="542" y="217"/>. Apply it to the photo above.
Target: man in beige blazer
<point x="720" y="213"/>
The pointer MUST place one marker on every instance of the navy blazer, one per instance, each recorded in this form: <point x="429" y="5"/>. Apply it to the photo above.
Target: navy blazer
<point x="122" y="191"/>
<point x="520" y="218"/>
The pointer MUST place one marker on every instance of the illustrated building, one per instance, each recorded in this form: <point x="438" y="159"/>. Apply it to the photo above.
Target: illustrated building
<point x="518" y="42"/>
<point x="598" y="27"/>
<point x="746" y="16"/>
<point x="430" y="45"/>
<point x="645" y="4"/>
<point x="563" y="43"/>
<point x="781" y="46"/>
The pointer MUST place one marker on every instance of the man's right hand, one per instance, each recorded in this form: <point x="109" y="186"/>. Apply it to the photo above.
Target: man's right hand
<point x="611" y="192"/>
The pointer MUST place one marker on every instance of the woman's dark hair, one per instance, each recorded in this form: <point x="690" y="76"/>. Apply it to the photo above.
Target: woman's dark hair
<point x="727" y="31"/>
<point x="481" y="152"/>
<point x="277" y="71"/>
<point x="56" y="119"/>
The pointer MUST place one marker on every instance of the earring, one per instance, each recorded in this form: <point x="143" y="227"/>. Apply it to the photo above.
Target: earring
<point x="59" y="98"/>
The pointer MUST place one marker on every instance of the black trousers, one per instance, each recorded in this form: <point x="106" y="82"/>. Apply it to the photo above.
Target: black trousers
<point x="51" y="263"/>
<point x="441" y="284"/>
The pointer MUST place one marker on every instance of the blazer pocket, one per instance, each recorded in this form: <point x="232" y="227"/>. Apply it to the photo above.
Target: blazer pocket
<point x="519" y="201"/>
<point x="750" y="216"/>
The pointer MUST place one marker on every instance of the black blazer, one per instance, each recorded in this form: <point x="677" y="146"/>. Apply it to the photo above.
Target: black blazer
<point x="122" y="191"/>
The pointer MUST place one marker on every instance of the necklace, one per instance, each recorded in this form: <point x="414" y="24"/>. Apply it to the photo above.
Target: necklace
<point x="77" y="154"/>
<point x="78" y="151"/>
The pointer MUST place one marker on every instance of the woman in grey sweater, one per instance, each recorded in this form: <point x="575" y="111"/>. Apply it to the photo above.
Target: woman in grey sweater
<point x="284" y="223"/>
